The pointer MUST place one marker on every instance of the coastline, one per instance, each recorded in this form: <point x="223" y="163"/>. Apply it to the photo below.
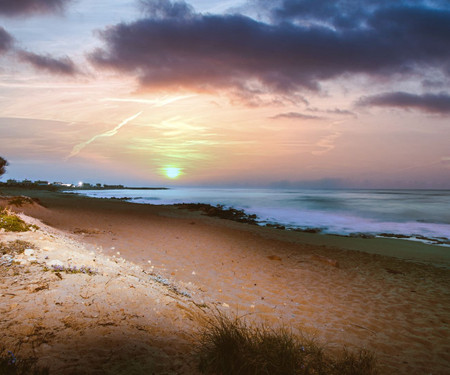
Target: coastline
<point x="332" y="212"/>
<point x="396" y="247"/>
<point x="348" y="291"/>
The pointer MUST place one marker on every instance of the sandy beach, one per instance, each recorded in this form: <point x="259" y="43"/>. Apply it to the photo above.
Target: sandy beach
<point x="158" y="267"/>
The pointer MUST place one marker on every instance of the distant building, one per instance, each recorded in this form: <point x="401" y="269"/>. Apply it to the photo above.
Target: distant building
<point x="62" y="184"/>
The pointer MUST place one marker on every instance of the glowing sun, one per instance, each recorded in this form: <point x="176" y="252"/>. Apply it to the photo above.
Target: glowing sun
<point x="172" y="172"/>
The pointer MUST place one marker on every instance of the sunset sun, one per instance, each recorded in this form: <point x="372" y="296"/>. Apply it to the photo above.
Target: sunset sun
<point x="172" y="172"/>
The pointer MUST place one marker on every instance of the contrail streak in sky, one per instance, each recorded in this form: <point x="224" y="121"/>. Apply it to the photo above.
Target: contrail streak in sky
<point x="76" y="149"/>
<point x="156" y="102"/>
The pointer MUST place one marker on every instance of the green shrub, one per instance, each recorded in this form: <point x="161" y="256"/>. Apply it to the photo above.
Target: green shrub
<point x="12" y="223"/>
<point x="230" y="346"/>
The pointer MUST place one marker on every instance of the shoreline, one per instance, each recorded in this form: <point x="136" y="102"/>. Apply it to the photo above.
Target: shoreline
<point x="346" y="291"/>
<point x="223" y="211"/>
<point x="402" y="248"/>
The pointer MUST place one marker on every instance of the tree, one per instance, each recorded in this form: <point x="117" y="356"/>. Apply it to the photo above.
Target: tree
<point x="3" y="164"/>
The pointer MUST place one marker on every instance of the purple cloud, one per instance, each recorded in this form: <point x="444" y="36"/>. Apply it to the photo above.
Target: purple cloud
<point x="432" y="103"/>
<point x="6" y="40"/>
<point x="174" y="47"/>
<point x="296" y="115"/>
<point x="62" y="66"/>
<point x="29" y="7"/>
<point x="165" y="9"/>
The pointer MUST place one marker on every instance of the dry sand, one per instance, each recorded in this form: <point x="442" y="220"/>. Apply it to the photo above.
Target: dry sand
<point x="398" y="308"/>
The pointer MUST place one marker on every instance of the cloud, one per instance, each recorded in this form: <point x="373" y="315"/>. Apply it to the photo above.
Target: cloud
<point x="335" y="111"/>
<point x="343" y="112"/>
<point x="340" y="14"/>
<point x="165" y="9"/>
<point x="62" y="66"/>
<point x="6" y="40"/>
<point x="174" y="47"/>
<point x="432" y="103"/>
<point x="296" y="115"/>
<point x="30" y="7"/>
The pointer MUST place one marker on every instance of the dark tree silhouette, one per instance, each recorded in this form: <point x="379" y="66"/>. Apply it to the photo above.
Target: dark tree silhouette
<point x="3" y="164"/>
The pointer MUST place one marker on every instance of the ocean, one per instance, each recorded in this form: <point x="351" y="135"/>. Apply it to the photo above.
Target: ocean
<point x="421" y="215"/>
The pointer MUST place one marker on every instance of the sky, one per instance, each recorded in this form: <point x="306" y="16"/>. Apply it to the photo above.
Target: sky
<point x="260" y="93"/>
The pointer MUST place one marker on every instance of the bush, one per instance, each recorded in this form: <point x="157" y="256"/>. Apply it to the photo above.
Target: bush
<point x="230" y="346"/>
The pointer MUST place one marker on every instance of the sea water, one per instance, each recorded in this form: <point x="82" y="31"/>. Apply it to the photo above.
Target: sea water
<point x="413" y="213"/>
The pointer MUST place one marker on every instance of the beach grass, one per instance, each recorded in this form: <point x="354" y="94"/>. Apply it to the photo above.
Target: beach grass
<point x="15" y="247"/>
<point x="19" y="201"/>
<point x="230" y="345"/>
<point x="10" y="364"/>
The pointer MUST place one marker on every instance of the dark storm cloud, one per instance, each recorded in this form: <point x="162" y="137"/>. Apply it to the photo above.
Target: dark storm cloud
<point x="62" y="66"/>
<point x="172" y="46"/>
<point x="433" y="103"/>
<point x="29" y="7"/>
<point x="6" y="40"/>
<point x="295" y="115"/>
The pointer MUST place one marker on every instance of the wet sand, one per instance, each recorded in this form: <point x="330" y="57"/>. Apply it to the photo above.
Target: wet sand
<point x="397" y="305"/>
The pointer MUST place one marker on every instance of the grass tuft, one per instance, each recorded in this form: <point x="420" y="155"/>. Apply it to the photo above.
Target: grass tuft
<point x="12" y="365"/>
<point x="230" y="346"/>
<point x="361" y="362"/>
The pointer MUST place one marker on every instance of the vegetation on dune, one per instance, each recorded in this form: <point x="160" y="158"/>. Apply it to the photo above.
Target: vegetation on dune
<point x="230" y="346"/>
<point x="72" y="269"/>
<point x="12" y="365"/>
<point x="15" y="247"/>
<point x="20" y="201"/>
<point x="12" y="223"/>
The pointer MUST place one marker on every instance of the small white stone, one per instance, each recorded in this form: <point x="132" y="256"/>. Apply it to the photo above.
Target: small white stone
<point x="32" y="259"/>
<point x="149" y="262"/>
<point x="193" y="272"/>
<point x="118" y="253"/>
<point x="28" y="252"/>
<point x="225" y="305"/>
